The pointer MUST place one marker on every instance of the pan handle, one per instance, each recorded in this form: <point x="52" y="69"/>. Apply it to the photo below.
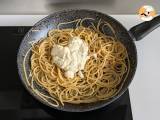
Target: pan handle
<point x="141" y="30"/>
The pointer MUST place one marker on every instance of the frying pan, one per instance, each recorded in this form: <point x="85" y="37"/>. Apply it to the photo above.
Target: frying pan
<point x="40" y="29"/>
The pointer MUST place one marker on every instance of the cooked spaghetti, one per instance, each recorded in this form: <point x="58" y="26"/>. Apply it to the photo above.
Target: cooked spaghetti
<point x="104" y="75"/>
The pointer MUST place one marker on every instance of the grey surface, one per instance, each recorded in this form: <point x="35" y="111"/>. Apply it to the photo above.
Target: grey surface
<point x="50" y="6"/>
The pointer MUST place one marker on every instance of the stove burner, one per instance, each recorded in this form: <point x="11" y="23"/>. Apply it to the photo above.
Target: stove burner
<point x="16" y="103"/>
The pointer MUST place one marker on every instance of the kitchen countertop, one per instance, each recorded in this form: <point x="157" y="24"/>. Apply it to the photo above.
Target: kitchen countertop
<point x="145" y="98"/>
<point x="49" y="6"/>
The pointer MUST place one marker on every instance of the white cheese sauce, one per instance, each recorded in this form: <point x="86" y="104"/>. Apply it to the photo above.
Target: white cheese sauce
<point x="71" y="58"/>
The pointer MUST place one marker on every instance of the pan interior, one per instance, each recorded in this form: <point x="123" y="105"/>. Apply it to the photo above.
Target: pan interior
<point x="39" y="31"/>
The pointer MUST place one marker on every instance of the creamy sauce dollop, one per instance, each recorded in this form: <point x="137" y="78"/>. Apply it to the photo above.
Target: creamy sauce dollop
<point x="71" y="58"/>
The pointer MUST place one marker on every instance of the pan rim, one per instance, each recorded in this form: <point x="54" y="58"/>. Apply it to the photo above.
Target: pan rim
<point x="71" y="110"/>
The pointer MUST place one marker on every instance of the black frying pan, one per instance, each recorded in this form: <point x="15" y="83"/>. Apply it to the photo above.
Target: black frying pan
<point x="126" y="37"/>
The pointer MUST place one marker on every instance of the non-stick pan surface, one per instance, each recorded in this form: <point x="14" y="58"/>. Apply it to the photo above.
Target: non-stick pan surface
<point x="40" y="29"/>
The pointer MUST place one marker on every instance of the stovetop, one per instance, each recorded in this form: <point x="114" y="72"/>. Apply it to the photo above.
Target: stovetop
<point x="17" y="104"/>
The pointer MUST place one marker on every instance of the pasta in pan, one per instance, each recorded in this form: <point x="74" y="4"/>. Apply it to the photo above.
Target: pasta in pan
<point x="104" y="74"/>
